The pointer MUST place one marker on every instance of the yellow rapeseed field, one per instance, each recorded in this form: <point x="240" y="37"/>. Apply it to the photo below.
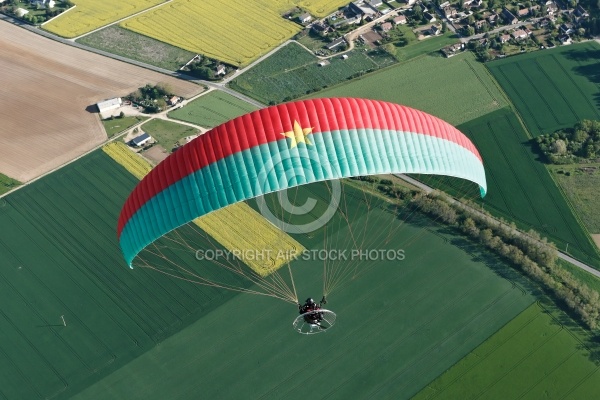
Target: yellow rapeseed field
<point x="233" y="31"/>
<point x="321" y="8"/>
<point x="132" y="162"/>
<point x="255" y="233"/>
<point x="93" y="14"/>
<point x="224" y="225"/>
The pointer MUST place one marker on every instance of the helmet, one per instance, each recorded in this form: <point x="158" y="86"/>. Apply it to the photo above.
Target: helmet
<point x="310" y="301"/>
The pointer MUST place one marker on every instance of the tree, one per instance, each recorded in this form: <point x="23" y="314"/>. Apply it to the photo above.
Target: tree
<point x="559" y="147"/>
<point x="390" y="49"/>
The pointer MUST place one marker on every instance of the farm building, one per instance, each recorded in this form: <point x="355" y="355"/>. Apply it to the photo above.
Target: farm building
<point x="304" y="18"/>
<point x="337" y="42"/>
<point x="21" y="12"/>
<point x="110" y="104"/>
<point x="221" y="70"/>
<point x="400" y="20"/>
<point x="173" y="100"/>
<point x="323" y="63"/>
<point x="141" y="140"/>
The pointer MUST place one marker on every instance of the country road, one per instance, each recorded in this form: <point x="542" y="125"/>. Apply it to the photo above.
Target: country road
<point x="563" y="256"/>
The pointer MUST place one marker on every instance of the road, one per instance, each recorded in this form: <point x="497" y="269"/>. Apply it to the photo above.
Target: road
<point x="561" y="255"/>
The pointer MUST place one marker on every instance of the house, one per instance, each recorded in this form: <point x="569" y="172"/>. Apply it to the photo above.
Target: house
<point x="319" y="27"/>
<point x="336" y="43"/>
<point x="567" y="29"/>
<point x="544" y="22"/>
<point x="435" y="30"/>
<point x="449" y="11"/>
<point x="492" y="19"/>
<point x="551" y="8"/>
<point x="410" y="2"/>
<point x="564" y="39"/>
<point x="110" y="104"/>
<point x="520" y="34"/>
<point x="140" y="140"/>
<point x="386" y="26"/>
<point x="509" y="17"/>
<point x="504" y="38"/>
<point x="523" y="12"/>
<point x="452" y="50"/>
<point x="304" y="18"/>
<point x="173" y="100"/>
<point x="428" y="17"/>
<point x="400" y="20"/>
<point x="44" y="3"/>
<point x="480" y="24"/>
<point x="375" y="3"/>
<point x="580" y="12"/>
<point x="359" y="8"/>
<point x="221" y="70"/>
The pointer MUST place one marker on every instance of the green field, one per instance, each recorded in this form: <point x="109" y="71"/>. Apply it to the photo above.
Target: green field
<point x="118" y="125"/>
<point x="123" y="42"/>
<point x="7" y="184"/>
<point x="553" y="89"/>
<point x="582" y="187"/>
<point x="461" y="91"/>
<point x="419" y="48"/>
<point x="167" y="133"/>
<point x="533" y="357"/>
<point x="520" y="189"/>
<point x="212" y="109"/>
<point x="293" y="72"/>
<point x="428" y="312"/>
<point x="60" y="258"/>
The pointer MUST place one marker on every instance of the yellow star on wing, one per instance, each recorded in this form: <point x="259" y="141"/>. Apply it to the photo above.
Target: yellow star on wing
<point x="298" y="135"/>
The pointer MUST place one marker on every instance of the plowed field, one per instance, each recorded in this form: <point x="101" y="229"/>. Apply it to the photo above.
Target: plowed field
<point x="46" y="88"/>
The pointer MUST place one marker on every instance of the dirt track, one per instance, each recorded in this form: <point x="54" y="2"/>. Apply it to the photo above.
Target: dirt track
<point x="45" y="89"/>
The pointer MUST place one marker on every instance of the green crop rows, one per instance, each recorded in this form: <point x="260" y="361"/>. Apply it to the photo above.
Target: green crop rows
<point x="553" y="89"/>
<point x="532" y="357"/>
<point x="212" y="109"/>
<point x="60" y="257"/>
<point x="400" y="323"/>
<point x="464" y="90"/>
<point x="293" y="72"/>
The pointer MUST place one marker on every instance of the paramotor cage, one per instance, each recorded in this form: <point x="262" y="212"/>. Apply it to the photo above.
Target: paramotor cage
<point x="315" y="321"/>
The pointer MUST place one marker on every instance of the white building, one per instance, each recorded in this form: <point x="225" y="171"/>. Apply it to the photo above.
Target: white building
<point x="110" y="104"/>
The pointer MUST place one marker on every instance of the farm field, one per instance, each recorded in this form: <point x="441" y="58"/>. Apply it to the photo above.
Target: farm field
<point x="167" y="133"/>
<point x="7" y="184"/>
<point x="469" y="91"/>
<point x="418" y="48"/>
<point x="60" y="257"/>
<point x="443" y="305"/>
<point x="45" y="122"/>
<point x="90" y="14"/>
<point x="293" y="72"/>
<point x="206" y="28"/>
<point x="553" y="89"/>
<point x="520" y="189"/>
<point x="123" y="42"/>
<point x="533" y="357"/>
<point x="212" y="109"/>
<point x="117" y="125"/>
<point x="581" y="185"/>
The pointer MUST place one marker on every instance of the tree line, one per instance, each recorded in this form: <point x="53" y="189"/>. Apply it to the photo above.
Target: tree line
<point x="530" y="253"/>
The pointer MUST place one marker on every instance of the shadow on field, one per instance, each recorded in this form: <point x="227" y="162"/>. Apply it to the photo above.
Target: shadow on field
<point x="92" y="109"/>
<point x="592" y="68"/>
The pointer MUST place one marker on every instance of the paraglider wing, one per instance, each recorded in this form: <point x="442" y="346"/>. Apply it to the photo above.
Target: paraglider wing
<point x="291" y="144"/>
